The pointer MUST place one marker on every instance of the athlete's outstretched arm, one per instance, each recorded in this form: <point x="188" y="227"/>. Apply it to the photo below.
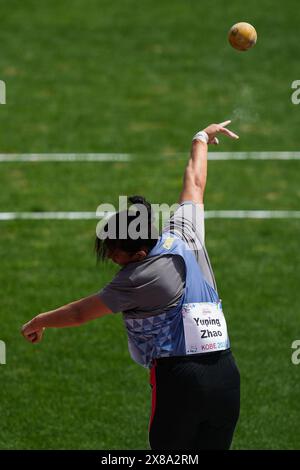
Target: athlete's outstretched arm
<point x="73" y="314"/>
<point x="195" y="174"/>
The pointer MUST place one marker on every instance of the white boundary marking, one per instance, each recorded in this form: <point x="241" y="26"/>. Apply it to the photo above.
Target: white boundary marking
<point x="48" y="215"/>
<point x="254" y="155"/>
<point x="125" y="157"/>
<point x="239" y="214"/>
<point x="252" y="214"/>
<point x="64" y="157"/>
<point x="111" y="157"/>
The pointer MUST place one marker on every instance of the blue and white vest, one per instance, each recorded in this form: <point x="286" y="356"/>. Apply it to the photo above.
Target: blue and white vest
<point x="196" y="325"/>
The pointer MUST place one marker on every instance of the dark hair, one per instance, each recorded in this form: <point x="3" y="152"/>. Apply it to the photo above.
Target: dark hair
<point x="147" y="240"/>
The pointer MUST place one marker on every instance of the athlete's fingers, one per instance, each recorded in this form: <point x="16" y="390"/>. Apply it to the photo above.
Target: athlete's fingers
<point x="31" y="337"/>
<point x="215" y="141"/>
<point x="225" y="123"/>
<point x="228" y="133"/>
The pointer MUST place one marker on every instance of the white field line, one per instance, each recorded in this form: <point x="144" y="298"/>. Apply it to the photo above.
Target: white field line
<point x="252" y="214"/>
<point x="47" y="215"/>
<point x="64" y="157"/>
<point x="254" y="155"/>
<point x="241" y="214"/>
<point x="125" y="157"/>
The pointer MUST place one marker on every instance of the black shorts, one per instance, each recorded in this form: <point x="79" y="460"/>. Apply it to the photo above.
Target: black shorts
<point x="195" y="401"/>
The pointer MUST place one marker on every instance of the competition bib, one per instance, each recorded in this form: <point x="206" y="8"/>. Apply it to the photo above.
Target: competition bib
<point x="205" y="327"/>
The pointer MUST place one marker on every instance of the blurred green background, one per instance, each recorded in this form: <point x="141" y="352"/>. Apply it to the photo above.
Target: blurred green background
<point x="143" y="77"/>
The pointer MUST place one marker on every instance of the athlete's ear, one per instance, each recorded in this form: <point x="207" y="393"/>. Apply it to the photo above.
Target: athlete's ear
<point x="140" y="255"/>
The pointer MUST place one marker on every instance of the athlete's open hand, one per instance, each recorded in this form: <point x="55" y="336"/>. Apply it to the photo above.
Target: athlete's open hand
<point x="32" y="333"/>
<point x="215" y="129"/>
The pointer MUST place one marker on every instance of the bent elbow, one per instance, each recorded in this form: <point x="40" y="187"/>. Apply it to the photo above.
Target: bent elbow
<point x="78" y="315"/>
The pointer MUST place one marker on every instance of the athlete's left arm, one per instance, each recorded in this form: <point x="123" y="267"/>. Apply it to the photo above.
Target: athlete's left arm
<point x="73" y="314"/>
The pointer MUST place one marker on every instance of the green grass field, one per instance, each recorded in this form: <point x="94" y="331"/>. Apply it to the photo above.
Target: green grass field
<point x="143" y="77"/>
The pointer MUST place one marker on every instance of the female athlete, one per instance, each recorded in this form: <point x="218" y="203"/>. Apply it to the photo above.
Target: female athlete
<point x="173" y="316"/>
